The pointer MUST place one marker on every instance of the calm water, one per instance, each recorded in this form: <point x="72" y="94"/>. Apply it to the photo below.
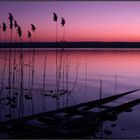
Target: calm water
<point x="80" y="73"/>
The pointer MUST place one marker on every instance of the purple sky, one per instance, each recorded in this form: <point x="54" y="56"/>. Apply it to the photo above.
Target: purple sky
<point x="85" y="21"/>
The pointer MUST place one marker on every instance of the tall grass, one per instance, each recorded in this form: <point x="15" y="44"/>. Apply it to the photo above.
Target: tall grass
<point x="33" y="28"/>
<point x="86" y="78"/>
<point x="21" y="62"/>
<point x="10" y="67"/>
<point x="55" y="18"/>
<point x="4" y="27"/>
<point x="44" y="79"/>
<point x="115" y="83"/>
<point x="16" y="69"/>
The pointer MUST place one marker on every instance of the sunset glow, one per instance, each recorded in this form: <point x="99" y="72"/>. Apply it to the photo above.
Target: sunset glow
<point x="85" y="21"/>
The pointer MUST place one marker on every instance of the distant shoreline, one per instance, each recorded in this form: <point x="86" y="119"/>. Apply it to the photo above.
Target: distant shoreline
<point x="86" y="45"/>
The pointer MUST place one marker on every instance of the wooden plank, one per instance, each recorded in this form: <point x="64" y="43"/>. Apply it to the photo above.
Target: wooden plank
<point x="107" y="99"/>
<point x="79" y="122"/>
<point x="87" y="105"/>
<point x="79" y="112"/>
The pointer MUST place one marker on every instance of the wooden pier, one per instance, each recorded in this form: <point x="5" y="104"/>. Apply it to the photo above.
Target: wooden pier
<point x="69" y="122"/>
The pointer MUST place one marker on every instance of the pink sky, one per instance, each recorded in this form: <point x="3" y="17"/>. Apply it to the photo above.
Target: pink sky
<point x="85" y="21"/>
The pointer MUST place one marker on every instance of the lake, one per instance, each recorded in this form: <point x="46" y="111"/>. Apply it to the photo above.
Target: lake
<point x="79" y="73"/>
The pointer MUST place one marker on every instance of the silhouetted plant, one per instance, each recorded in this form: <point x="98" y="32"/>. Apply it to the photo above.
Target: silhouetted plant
<point x="55" y="18"/>
<point x="19" y="31"/>
<point x="14" y="63"/>
<point x="29" y="34"/>
<point x="15" y="24"/>
<point x="62" y="21"/>
<point x="44" y="79"/>
<point x="33" y="27"/>
<point x="4" y="27"/>
<point x="11" y="20"/>
<point x="21" y="110"/>
<point x="11" y="27"/>
<point x="28" y="97"/>
<point x="76" y="77"/>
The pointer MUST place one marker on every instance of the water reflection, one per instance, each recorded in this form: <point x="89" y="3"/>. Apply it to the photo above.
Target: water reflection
<point x="36" y="82"/>
<point x="75" y="77"/>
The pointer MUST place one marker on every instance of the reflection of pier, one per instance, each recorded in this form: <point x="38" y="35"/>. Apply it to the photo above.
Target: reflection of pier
<point x="69" y="122"/>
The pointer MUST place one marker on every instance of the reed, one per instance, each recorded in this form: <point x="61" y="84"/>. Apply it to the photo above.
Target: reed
<point x="86" y="78"/>
<point x="4" y="27"/>
<point x="30" y="87"/>
<point x="21" y="100"/>
<point x="14" y="62"/>
<point x="10" y="67"/>
<point x="15" y="25"/>
<point x="55" y="19"/>
<point x="33" y="28"/>
<point x="33" y="61"/>
<point x="75" y="82"/>
<point x="115" y="83"/>
<point x="44" y="80"/>
<point x="63" y="22"/>
<point x="30" y="40"/>
<point x="100" y="109"/>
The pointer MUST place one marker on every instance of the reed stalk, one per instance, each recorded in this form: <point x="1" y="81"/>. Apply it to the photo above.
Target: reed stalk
<point x="115" y="83"/>
<point x="75" y="82"/>
<point x="86" y="78"/>
<point x="44" y="79"/>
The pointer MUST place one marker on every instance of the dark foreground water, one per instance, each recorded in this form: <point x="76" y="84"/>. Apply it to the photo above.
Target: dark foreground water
<point x="79" y="72"/>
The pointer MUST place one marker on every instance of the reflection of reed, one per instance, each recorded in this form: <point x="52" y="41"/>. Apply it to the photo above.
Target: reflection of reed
<point x="100" y="93"/>
<point x="86" y="78"/>
<point x="74" y="85"/>
<point x="115" y="84"/>
<point x="44" y="79"/>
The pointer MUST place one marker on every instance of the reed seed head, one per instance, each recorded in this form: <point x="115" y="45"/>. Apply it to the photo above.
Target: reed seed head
<point x="15" y="24"/>
<point x="62" y="21"/>
<point x="11" y="20"/>
<point x="33" y="27"/>
<point x="4" y="27"/>
<point x="29" y="34"/>
<point x="19" y="31"/>
<point x="55" y="17"/>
